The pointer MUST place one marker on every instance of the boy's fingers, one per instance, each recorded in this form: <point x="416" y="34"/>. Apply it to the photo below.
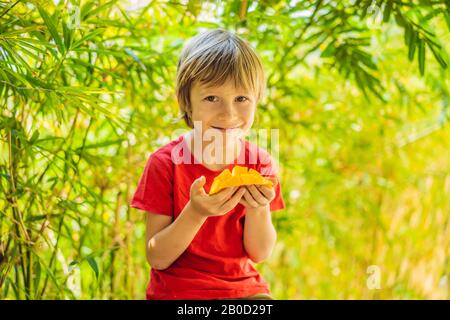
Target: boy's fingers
<point x="224" y="194"/>
<point x="257" y="195"/>
<point x="266" y="191"/>
<point x="234" y="200"/>
<point x="248" y="197"/>
<point x="244" y="203"/>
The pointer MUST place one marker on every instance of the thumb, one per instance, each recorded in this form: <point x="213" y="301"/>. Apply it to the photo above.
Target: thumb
<point x="198" y="184"/>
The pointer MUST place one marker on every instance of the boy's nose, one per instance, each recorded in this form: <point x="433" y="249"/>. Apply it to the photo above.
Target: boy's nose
<point x="227" y="110"/>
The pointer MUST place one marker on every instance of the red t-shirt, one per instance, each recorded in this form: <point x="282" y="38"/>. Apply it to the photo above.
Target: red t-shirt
<point x="215" y="265"/>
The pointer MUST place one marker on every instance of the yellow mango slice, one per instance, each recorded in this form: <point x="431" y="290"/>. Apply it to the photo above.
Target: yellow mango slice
<point x="225" y="174"/>
<point x="216" y="186"/>
<point x="238" y="170"/>
<point x="254" y="172"/>
<point x="238" y="177"/>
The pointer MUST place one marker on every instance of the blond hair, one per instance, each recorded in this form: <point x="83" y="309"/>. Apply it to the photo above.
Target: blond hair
<point x="213" y="57"/>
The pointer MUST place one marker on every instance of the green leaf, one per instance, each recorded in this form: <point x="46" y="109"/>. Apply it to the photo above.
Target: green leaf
<point x="67" y="32"/>
<point x="329" y="50"/>
<point x="93" y="265"/>
<point x="88" y="12"/>
<point x="51" y="28"/>
<point x="365" y="58"/>
<point x="412" y="45"/>
<point x="101" y="144"/>
<point x="135" y="58"/>
<point x="447" y="17"/>
<point x="22" y="80"/>
<point x="36" y="275"/>
<point x="34" y="136"/>
<point x="24" y="46"/>
<point x="89" y="36"/>
<point x="421" y="56"/>
<point x="20" y="31"/>
<point x="48" y="272"/>
<point x="365" y="8"/>
<point x="400" y="19"/>
<point x="387" y="11"/>
<point x="437" y="54"/>
<point x="16" y="57"/>
<point x="86" y="9"/>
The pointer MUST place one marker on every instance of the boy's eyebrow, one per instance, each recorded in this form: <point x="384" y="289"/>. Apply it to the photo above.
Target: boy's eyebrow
<point x="207" y="90"/>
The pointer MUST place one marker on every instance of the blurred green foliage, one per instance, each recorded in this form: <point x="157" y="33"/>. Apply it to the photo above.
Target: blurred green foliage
<point x="358" y="90"/>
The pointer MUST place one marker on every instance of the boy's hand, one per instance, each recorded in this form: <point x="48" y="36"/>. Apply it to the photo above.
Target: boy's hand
<point x="213" y="205"/>
<point x="257" y="196"/>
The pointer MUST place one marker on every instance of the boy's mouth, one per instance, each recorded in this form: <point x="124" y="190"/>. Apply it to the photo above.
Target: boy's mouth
<point x="224" y="128"/>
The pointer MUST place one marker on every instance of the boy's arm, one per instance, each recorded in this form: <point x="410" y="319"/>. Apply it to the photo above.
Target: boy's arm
<point x="259" y="233"/>
<point x="167" y="240"/>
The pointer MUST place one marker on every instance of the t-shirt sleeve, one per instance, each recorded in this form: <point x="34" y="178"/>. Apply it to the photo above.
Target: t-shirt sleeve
<point x="154" y="192"/>
<point x="268" y="168"/>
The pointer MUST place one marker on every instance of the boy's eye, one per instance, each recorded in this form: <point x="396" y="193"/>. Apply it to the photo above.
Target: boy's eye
<point x="210" y="98"/>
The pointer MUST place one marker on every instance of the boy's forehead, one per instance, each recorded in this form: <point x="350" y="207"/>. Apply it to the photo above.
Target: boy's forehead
<point x="228" y="86"/>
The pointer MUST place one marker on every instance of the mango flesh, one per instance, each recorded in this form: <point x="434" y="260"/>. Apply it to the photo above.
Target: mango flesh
<point x="238" y="177"/>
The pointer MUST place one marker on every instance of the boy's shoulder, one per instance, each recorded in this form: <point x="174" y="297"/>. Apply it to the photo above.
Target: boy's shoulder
<point x="259" y="156"/>
<point x="254" y="150"/>
<point x="163" y="154"/>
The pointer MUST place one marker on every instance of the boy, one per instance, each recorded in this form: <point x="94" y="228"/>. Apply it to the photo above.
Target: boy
<point x="202" y="246"/>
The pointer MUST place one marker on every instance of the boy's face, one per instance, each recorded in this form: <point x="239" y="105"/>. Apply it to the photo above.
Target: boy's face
<point x="225" y="108"/>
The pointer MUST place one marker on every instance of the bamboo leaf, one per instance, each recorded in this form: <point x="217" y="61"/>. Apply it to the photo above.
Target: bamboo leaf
<point x="88" y="37"/>
<point x="102" y="144"/>
<point x="34" y="136"/>
<point x="408" y="34"/>
<point x="51" y="25"/>
<point x="412" y="45"/>
<point x="447" y="17"/>
<point x="86" y="8"/>
<point x="437" y="54"/>
<point x="93" y="265"/>
<point x="37" y="276"/>
<point x="20" y="31"/>
<point x="421" y="56"/>
<point x="91" y="12"/>
<point x="329" y="50"/>
<point x="387" y="11"/>
<point x="67" y="33"/>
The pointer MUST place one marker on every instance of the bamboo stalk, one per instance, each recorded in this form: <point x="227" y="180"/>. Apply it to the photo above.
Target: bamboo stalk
<point x="116" y="242"/>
